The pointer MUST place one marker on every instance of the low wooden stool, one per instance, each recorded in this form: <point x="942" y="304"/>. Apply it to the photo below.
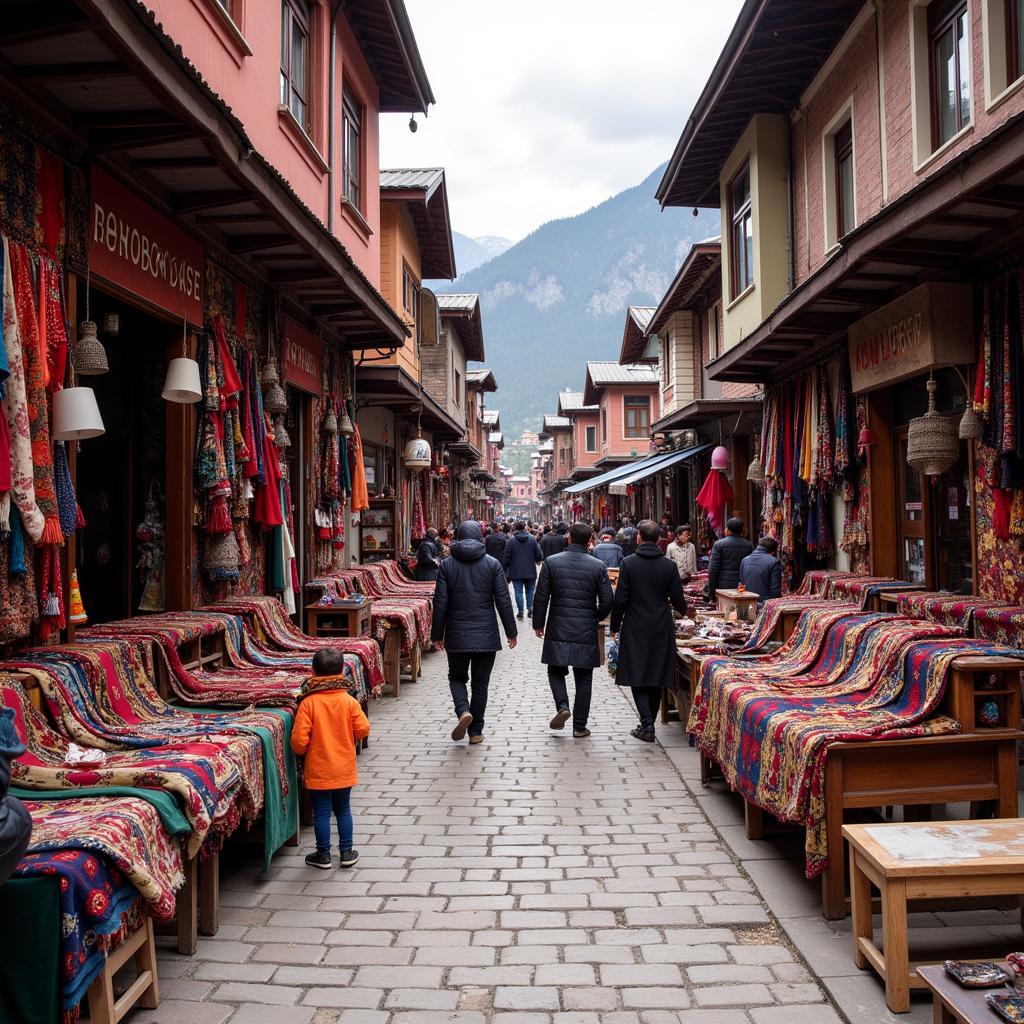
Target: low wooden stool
<point x="742" y="602"/>
<point x="144" y="991"/>
<point x="954" y="1004"/>
<point x="922" y="861"/>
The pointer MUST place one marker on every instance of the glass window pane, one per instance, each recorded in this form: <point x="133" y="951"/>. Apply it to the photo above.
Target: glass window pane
<point x="298" y="69"/>
<point x="945" y="86"/>
<point x="846" y="181"/>
<point x="284" y="38"/>
<point x="1019" y="39"/>
<point x="748" y="249"/>
<point x="964" y="68"/>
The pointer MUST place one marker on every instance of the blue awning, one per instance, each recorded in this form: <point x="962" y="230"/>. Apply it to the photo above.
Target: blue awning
<point x="641" y="472"/>
<point x="634" y="470"/>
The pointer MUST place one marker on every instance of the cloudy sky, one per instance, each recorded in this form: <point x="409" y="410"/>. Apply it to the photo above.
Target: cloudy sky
<point x="547" y="107"/>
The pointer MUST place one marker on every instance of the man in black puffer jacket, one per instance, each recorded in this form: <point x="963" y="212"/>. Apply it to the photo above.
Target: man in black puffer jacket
<point x="554" y="543"/>
<point x="470" y="586"/>
<point x="726" y="555"/>
<point x="15" y="821"/>
<point x="574" y="595"/>
<point x="495" y="542"/>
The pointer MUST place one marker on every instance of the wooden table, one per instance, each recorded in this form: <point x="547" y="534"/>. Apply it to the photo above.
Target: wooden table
<point x="341" y="619"/>
<point x="954" y="1004"/>
<point x="742" y="602"/>
<point x="923" y="860"/>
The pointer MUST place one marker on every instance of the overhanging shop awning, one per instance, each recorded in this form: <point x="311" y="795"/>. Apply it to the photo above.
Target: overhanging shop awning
<point x="666" y="462"/>
<point x="634" y="470"/>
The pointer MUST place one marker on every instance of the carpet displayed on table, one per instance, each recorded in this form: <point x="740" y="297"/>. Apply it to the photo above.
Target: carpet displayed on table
<point x="949" y="609"/>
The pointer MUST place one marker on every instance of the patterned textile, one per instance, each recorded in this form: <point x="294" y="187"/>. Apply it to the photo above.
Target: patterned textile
<point x="99" y="908"/>
<point x="949" y="609"/>
<point x="125" y="831"/>
<point x="281" y="633"/>
<point x="769" y="617"/>
<point x="1004" y="625"/>
<point x="1000" y="562"/>
<point x="862" y="588"/>
<point x="817" y="581"/>
<point x="202" y="776"/>
<point x="771" y="736"/>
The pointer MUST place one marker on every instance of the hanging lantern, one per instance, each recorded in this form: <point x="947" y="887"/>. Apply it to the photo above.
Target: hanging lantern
<point x="269" y="374"/>
<point x="274" y="400"/>
<point x="281" y="436"/>
<point x="76" y="416"/>
<point x="866" y="438"/>
<point x="330" y="421"/>
<point x="720" y="458"/>
<point x="417" y="453"/>
<point x="345" y="427"/>
<point x="970" y="424"/>
<point x="90" y="355"/>
<point x="182" y="383"/>
<point x="222" y="557"/>
<point x="932" y="442"/>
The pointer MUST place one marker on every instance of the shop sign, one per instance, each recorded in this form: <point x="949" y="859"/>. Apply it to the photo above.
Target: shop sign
<point x="139" y="250"/>
<point x="931" y="326"/>
<point x="303" y="357"/>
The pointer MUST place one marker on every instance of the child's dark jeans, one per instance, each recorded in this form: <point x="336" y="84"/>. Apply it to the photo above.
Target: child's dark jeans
<point x="325" y="803"/>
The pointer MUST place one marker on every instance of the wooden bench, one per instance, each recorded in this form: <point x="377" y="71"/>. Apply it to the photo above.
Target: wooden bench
<point x="923" y="860"/>
<point x="143" y="992"/>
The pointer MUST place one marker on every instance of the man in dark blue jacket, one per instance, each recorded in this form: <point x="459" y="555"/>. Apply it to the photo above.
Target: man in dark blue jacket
<point x="520" y="561"/>
<point x="761" y="571"/>
<point x="495" y="542"/>
<point x="608" y="551"/>
<point x="470" y="588"/>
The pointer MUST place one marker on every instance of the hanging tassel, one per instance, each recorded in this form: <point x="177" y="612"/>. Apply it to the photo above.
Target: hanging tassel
<point x="80" y="519"/>
<point x="220" y="519"/>
<point x="51" y="603"/>
<point x="67" y="502"/>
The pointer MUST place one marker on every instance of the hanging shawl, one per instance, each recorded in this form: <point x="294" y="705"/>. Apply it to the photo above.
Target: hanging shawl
<point x="18" y="566"/>
<point x="53" y="329"/>
<point x="360" y="495"/>
<point x="35" y="392"/>
<point x="714" y="496"/>
<point x="267" y="510"/>
<point x="67" y="502"/>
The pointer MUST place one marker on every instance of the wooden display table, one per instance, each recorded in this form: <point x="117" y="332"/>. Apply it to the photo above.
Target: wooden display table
<point x="742" y="602"/>
<point x="917" y="861"/>
<point x="954" y="1004"/>
<point x="143" y="992"/>
<point x="341" y="619"/>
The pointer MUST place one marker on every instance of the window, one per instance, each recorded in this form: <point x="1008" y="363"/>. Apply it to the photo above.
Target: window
<point x="352" y="155"/>
<point x="714" y="339"/>
<point x="227" y="6"/>
<point x="295" y="22"/>
<point x="1014" y="39"/>
<point x="636" y="416"/>
<point x="561" y="457"/>
<point x="668" y="364"/>
<point x="591" y="440"/>
<point x="950" y="69"/>
<point x="410" y="293"/>
<point x="458" y="388"/>
<point x="604" y="426"/>
<point x="741" y="239"/>
<point x="842" y="147"/>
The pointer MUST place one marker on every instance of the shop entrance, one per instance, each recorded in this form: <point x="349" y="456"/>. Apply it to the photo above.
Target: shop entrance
<point x="120" y="550"/>
<point x="297" y="463"/>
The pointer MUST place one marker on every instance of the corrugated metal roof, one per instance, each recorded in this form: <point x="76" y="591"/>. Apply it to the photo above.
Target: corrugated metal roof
<point x="495" y="437"/>
<point x="459" y="302"/>
<point x="412" y="177"/>
<point x="490" y="415"/>
<point x="572" y="401"/>
<point x="556" y="422"/>
<point x="641" y="316"/>
<point x="607" y="372"/>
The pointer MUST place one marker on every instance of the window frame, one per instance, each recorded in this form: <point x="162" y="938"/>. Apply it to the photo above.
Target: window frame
<point x="353" y="115"/>
<point x="1013" y="19"/>
<point x="842" y="151"/>
<point x="939" y="24"/>
<point x="739" y="215"/>
<point x="637" y="404"/>
<point x="586" y="439"/>
<point x="303" y="11"/>
<point x="604" y="426"/>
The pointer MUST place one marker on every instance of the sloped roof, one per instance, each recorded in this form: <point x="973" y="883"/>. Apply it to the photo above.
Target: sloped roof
<point x="634" y="337"/>
<point x="496" y="437"/>
<point x="492" y="417"/>
<point x="483" y="379"/>
<point x="702" y="261"/>
<point x="462" y="309"/>
<point x="604" y="372"/>
<point x="425" y="195"/>
<point x="557" y="423"/>
<point x="572" y="401"/>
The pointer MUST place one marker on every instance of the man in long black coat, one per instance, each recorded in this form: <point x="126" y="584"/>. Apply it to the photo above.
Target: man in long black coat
<point x="470" y="587"/>
<point x="649" y="587"/>
<point x="427" y="557"/>
<point x="573" y="595"/>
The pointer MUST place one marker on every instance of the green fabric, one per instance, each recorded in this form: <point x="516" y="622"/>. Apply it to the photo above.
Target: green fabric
<point x="30" y="951"/>
<point x="277" y="566"/>
<point x="175" y="823"/>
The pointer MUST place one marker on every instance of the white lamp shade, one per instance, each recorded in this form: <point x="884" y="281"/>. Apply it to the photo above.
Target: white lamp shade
<point x="417" y="454"/>
<point x="182" y="384"/>
<point x="76" y="416"/>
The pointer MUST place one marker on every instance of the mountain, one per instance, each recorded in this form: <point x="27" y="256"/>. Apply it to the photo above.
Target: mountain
<point x="559" y="297"/>
<point x="471" y="252"/>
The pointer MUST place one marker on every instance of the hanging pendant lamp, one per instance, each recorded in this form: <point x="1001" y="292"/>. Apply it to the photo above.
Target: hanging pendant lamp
<point x="970" y="424"/>
<point x="345" y="427"/>
<point x="269" y="374"/>
<point x="182" y="384"/>
<point x="90" y="355"/>
<point x="274" y="399"/>
<point x="76" y="416"/>
<point x="331" y="420"/>
<point x="932" y="442"/>
<point x="281" y="436"/>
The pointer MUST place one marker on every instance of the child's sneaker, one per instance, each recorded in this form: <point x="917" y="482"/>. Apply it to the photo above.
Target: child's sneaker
<point x="320" y="860"/>
<point x="349" y="857"/>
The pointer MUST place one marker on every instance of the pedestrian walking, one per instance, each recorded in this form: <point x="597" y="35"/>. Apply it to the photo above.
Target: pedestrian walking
<point x="683" y="553"/>
<point x="726" y="555"/>
<point x="428" y="557"/>
<point x="761" y="571"/>
<point x="553" y="542"/>
<point x="470" y="588"/>
<point x="573" y="595"/>
<point x="607" y="550"/>
<point x="495" y="542"/>
<point x="629" y="535"/>
<point x="328" y="725"/>
<point x="520" y="561"/>
<point x="648" y="588"/>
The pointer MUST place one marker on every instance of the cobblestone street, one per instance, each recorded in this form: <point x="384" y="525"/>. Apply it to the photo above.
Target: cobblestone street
<point x="533" y="879"/>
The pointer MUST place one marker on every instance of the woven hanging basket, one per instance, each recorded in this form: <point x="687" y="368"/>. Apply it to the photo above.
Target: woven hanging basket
<point x="269" y="375"/>
<point x="274" y="400"/>
<point x="222" y="557"/>
<point x="281" y="437"/>
<point x="755" y="472"/>
<point x="345" y="427"/>
<point x="933" y="445"/>
<point x="970" y="425"/>
<point x="90" y="355"/>
<point x="330" y="421"/>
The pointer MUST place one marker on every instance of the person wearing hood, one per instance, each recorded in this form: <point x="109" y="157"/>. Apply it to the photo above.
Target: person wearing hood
<point x="470" y="595"/>
<point x="428" y="557"/>
<point x="520" y="561"/>
<point x="574" y="594"/>
<point x="649" y="587"/>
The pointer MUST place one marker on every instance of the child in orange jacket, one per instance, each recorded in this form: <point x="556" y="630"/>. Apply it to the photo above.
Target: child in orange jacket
<point x="328" y="725"/>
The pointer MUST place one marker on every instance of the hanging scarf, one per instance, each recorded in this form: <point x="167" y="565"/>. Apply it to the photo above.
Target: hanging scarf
<point x="267" y="510"/>
<point x="324" y="684"/>
<point x="53" y="330"/>
<point x="51" y="593"/>
<point x="18" y="566"/>
<point x="360" y="495"/>
<point x="67" y="502"/>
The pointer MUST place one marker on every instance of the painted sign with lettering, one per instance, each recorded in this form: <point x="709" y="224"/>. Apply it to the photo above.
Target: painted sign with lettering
<point x="139" y="250"/>
<point x="931" y="326"/>
<point x="303" y="355"/>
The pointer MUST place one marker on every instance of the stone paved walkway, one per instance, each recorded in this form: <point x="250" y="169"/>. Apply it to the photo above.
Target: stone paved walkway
<point x="533" y="879"/>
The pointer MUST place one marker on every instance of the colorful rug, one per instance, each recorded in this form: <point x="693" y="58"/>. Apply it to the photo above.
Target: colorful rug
<point x="770" y="615"/>
<point x="201" y="775"/>
<point x="817" y="581"/>
<point x="949" y="609"/>
<point x="864" y="588"/>
<point x="1002" y="625"/>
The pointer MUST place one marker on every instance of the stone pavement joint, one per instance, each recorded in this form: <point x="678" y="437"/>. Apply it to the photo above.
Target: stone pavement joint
<point x="532" y="879"/>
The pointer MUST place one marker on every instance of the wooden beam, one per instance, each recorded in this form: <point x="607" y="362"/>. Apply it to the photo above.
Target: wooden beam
<point x="27" y="23"/>
<point x="227" y="219"/>
<point x="86" y="71"/>
<point x="193" y="202"/>
<point x="300" y="276"/>
<point x="112" y="140"/>
<point x="258" y="243"/>
<point x="174" y="163"/>
<point x="152" y="118"/>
